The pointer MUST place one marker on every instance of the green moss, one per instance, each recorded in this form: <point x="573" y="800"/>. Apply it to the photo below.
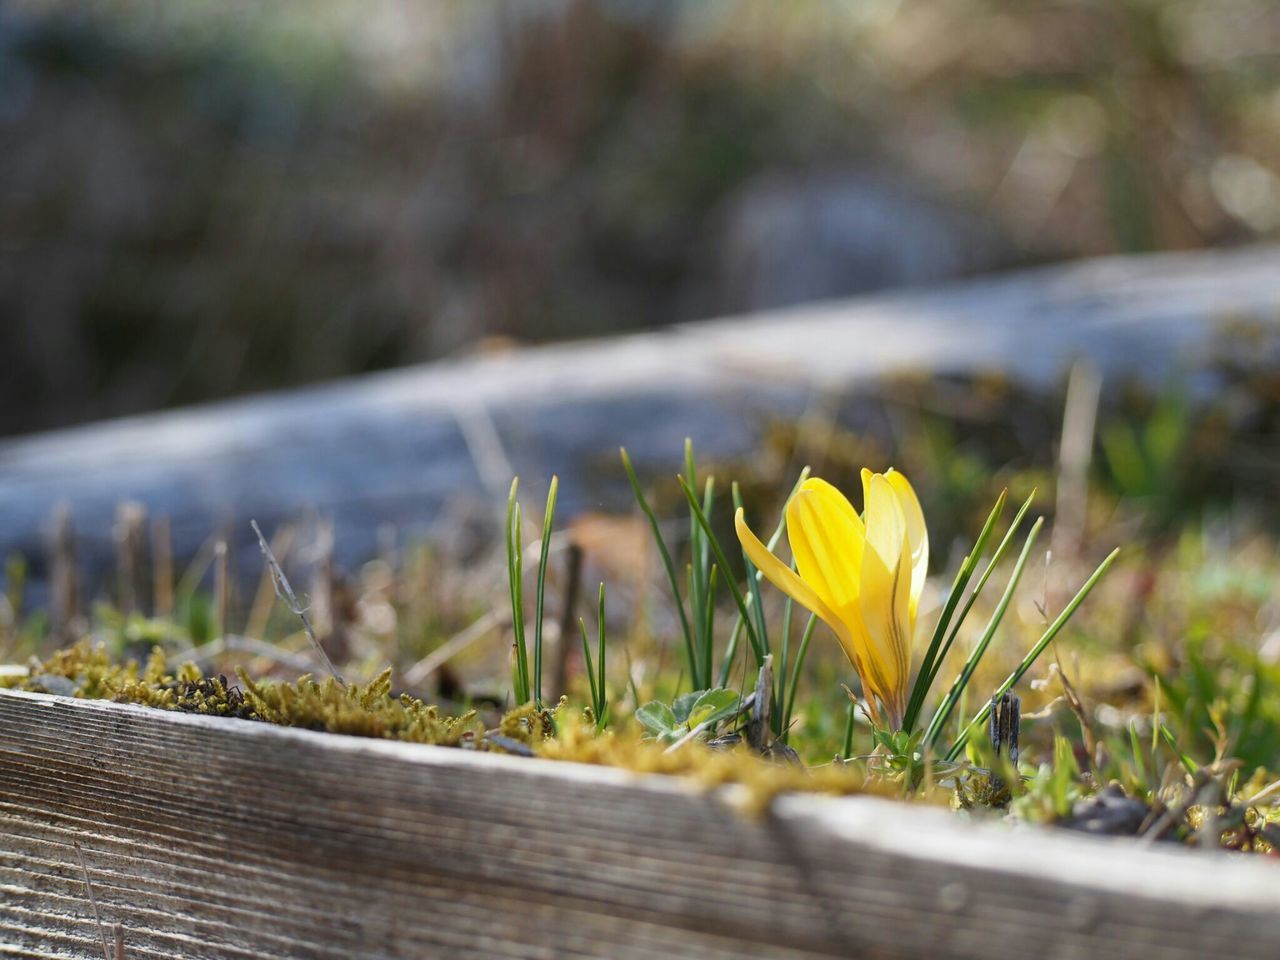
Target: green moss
<point x="367" y="710"/>
<point x="528" y="724"/>
<point x="370" y="710"/>
<point x="363" y="710"/>
<point x="760" y="779"/>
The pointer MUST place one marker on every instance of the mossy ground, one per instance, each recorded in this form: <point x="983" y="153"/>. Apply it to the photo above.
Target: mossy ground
<point x="362" y="710"/>
<point x="1160" y="703"/>
<point x="85" y="670"/>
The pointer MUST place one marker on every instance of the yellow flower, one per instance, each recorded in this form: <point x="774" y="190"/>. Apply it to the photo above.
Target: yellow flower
<point x="863" y="580"/>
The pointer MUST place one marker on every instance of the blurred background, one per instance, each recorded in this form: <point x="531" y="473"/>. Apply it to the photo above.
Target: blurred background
<point x="200" y="199"/>
<point x="205" y="199"/>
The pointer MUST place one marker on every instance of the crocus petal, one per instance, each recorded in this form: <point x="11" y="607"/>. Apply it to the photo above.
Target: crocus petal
<point x="826" y="537"/>
<point x="917" y="535"/>
<point x="863" y="576"/>
<point x="886" y="588"/>
<point x="786" y="580"/>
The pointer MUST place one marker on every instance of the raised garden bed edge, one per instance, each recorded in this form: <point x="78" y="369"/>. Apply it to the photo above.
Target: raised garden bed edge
<point x="215" y="838"/>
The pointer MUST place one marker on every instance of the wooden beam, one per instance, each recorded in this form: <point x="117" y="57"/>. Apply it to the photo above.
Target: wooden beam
<point x="211" y="838"/>
<point x="406" y="447"/>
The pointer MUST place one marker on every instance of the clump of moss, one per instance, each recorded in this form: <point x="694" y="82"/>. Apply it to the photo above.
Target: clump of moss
<point x="528" y="724"/>
<point x="762" y="779"/>
<point x="363" y="710"/>
<point x="370" y="710"/>
<point x="86" y="671"/>
<point x="367" y="710"/>
<point x="981" y="790"/>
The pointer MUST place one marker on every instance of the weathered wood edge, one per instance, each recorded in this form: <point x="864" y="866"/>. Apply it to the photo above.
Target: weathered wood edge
<point x="223" y="838"/>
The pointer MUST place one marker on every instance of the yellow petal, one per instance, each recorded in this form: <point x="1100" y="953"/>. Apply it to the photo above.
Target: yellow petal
<point x="917" y="535"/>
<point x="826" y="537"/>
<point x="886" y="526"/>
<point x="786" y="580"/>
<point x="886" y="589"/>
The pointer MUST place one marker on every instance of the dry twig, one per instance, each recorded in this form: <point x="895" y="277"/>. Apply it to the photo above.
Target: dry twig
<point x="285" y="592"/>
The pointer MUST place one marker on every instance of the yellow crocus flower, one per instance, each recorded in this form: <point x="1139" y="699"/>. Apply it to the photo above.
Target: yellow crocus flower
<point x="863" y="579"/>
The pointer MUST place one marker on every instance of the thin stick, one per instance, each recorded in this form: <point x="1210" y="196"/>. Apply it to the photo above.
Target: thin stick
<point x="119" y="941"/>
<point x="221" y="588"/>
<point x="131" y="520"/>
<point x="93" y="901"/>
<point x="568" y="614"/>
<point x="290" y="599"/>
<point x="1075" y="451"/>
<point x="1266" y="793"/>
<point x="66" y="580"/>
<point x="208" y="653"/>
<point x="162" y="567"/>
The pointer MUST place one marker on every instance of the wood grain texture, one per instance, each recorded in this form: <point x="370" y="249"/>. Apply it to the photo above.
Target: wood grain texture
<point x="214" y="838"/>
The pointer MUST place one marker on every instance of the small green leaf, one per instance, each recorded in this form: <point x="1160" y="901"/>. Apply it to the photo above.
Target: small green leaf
<point x="657" y="718"/>
<point x="718" y="697"/>
<point x="1066" y="772"/>
<point x="1187" y="763"/>
<point x="898" y="743"/>
<point x="884" y="739"/>
<point x="713" y="706"/>
<point x="683" y="705"/>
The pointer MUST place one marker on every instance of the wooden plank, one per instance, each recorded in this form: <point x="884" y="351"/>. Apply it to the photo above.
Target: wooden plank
<point x="210" y="838"/>
<point x="404" y="447"/>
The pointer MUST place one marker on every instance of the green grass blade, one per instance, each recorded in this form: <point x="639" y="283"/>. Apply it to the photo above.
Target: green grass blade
<point x="932" y="658"/>
<point x="1034" y="653"/>
<point x="996" y="557"/>
<point x="515" y="576"/>
<point x="730" y="652"/>
<point x="738" y="599"/>
<point x="757" y="576"/>
<point x="700" y="596"/>
<point x="666" y="558"/>
<point x="959" y="621"/>
<point x="631" y="678"/>
<point x="753" y="588"/>
<point x="706" y="613"/>
<point x="602" y="715"/>
<point x="780" y="529"/>
<point x="709" y="622"/>
<point x="1140" y="768"/>
<point x="794" y="683"/>
<point x="1188" y="764"/>
<point x="948" y="704"/>
<point x="548" y="519"/>
<point x="780" y="687"/>
<point x="1155" y="724"/>
<point x="591" y="671"/>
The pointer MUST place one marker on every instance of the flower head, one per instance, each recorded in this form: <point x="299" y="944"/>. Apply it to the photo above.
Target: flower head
<point x="863" y="578"/>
